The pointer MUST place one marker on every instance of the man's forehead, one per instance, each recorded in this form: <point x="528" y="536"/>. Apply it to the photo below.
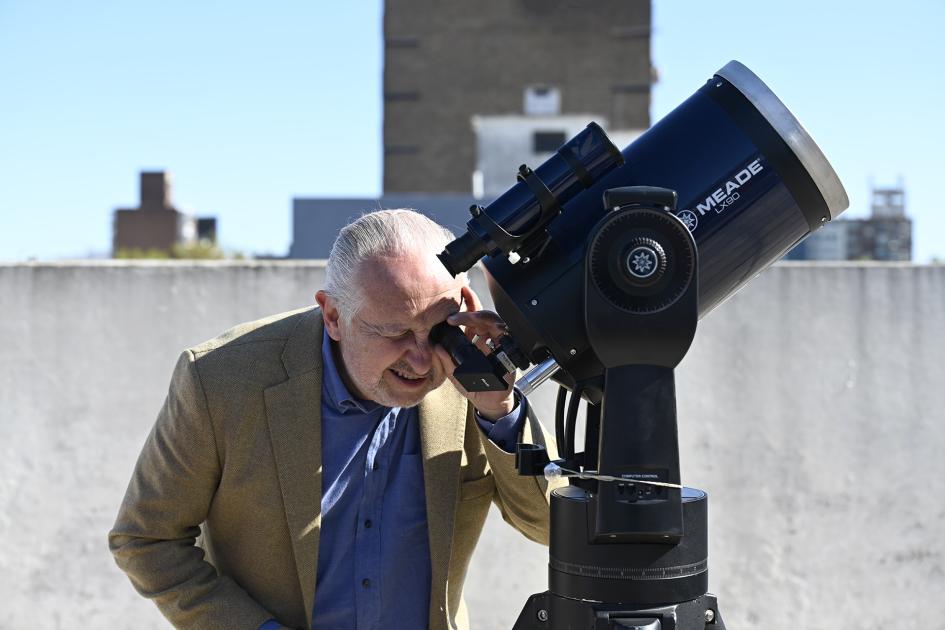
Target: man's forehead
<point x="440" y="294"/>
<point x="410" y="277"/>
<point x="421" y="297"/>
<point x="399" y="312"/>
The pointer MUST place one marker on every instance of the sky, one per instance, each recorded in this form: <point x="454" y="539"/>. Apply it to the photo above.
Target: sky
<point x="249" y="105"/>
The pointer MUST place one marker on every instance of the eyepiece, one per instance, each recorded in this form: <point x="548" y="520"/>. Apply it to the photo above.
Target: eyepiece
<point x="462" y="253"/>
<point x="474" y="370"/>
<point x="514" y="220"/>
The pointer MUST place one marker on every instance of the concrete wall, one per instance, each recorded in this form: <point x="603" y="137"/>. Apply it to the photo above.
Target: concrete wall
<point x="811" y="407"/>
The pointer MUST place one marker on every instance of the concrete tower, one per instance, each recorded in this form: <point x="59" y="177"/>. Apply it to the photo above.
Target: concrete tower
<point x="467" y="83"/>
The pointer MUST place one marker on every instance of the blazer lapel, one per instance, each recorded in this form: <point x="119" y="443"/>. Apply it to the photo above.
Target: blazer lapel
<point x="442" y="415"/>
<point x="293" y="409"/>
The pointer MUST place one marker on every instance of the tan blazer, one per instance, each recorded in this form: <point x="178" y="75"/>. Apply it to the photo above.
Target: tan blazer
<point x="235" y="454"/>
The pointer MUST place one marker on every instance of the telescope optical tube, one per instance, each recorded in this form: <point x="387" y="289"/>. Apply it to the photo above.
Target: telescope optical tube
<point x="751" y="184"/>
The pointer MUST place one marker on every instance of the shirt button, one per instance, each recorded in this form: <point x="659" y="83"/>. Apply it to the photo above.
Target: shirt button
<point x="367" y="524"/>
<point x="365" y="582"/>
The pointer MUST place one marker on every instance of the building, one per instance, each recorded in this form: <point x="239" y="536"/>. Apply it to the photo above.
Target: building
<point x="458" y="76"/>
<point x="473" y="90"/>
<point x="505" y="142"/>
<point x="316" y="222"/>
<point x="885" y="235"/>
<point x="156" y="224"/>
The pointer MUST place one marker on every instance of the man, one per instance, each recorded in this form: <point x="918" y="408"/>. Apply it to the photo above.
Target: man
<point x="337" y="480"/>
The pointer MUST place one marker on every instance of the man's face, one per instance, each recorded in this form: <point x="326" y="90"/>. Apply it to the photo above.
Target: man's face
<point x="386" y="355"/>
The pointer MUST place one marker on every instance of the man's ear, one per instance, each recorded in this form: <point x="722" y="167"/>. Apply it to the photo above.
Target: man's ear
<point x="330" y="314"/>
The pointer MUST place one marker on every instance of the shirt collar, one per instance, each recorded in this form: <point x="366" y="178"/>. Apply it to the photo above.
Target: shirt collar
<point x="338" y="396"/>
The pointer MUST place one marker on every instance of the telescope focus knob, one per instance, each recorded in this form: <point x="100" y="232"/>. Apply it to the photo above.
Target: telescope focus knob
<point x="645" y="261"/>
<point x="641" y="259"/>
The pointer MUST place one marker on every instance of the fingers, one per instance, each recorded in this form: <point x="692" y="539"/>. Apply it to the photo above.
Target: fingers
<point x="470" y="299"/>
<point x="483" y="328"/>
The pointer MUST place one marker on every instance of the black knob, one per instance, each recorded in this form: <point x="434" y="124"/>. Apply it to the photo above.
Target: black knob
<point x="644" y="261"/>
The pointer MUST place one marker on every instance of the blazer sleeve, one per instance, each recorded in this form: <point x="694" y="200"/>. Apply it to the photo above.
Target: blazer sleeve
<point x="169" y="495"/>
<point x="523" y="501"/>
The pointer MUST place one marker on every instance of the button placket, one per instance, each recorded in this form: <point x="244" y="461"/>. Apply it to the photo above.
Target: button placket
<point x="368" y="537"/>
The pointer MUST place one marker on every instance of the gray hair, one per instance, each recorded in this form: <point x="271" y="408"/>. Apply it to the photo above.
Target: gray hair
<point x="380" y="233"/>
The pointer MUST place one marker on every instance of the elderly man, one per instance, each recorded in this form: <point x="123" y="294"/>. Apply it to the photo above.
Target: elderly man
<point x="336" y="479"/>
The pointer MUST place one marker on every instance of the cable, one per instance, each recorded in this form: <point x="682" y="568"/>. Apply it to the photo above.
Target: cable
<point x="559" y="416"/>
<point x="571" y="422"/>
<point x="554" y="471"/>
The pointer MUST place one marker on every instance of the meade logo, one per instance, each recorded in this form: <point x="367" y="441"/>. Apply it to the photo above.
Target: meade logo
<point x="726" y="194"/>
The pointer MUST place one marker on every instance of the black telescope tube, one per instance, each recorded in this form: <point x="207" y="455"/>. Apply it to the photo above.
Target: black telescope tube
<point x="520" y="211"/>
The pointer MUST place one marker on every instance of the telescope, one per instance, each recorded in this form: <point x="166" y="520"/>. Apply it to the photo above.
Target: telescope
<point x="602" y="261"/>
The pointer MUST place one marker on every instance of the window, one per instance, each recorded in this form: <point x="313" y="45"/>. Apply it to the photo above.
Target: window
<point x="401" y="149"/>
<point x="392" y="97"/>
<point x="542" y="100"/>
<point x="547" y="141"/>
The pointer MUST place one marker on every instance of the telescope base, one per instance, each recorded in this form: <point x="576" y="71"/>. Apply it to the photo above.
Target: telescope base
<point x="546" y="611"/>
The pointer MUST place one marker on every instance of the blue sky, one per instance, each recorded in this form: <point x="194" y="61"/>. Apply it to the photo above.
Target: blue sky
<point x="251" y="104"/>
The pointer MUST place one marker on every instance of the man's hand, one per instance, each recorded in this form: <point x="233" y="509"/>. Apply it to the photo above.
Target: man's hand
<point x="480" y="327"/>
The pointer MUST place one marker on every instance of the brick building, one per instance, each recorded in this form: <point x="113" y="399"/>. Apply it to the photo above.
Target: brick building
<point x="156" y="224"/>
<point x="457" y="70"/>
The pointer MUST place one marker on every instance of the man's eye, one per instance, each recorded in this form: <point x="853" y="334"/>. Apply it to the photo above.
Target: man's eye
<point x="398" y="335"/>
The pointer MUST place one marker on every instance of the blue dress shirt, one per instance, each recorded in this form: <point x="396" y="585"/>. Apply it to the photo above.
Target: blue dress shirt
<point x="374" y="555"/>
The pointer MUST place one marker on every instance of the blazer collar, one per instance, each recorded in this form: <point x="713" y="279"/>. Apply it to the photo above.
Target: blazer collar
<point x="293" y="410"/>
<point x="303" y="349"/>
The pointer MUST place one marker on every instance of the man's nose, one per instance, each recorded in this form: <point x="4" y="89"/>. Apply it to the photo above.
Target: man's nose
<point x="420" y="356"/>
